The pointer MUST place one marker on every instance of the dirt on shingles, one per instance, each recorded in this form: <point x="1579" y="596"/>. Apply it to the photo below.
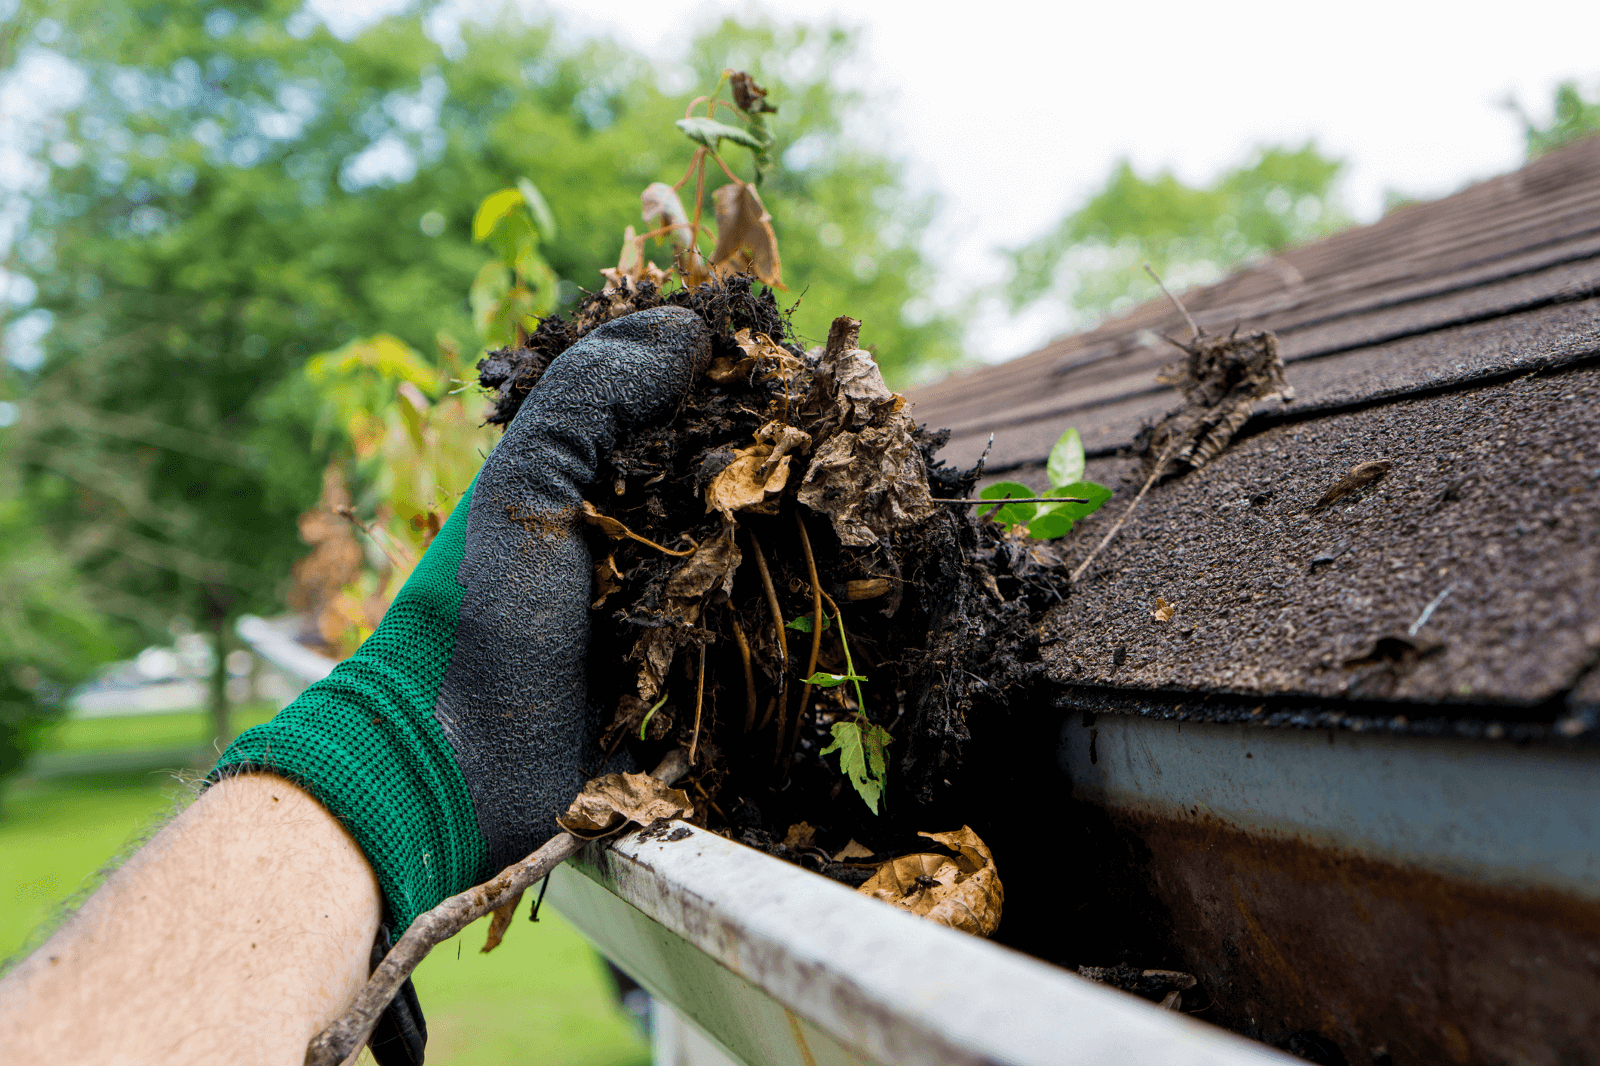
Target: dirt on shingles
<point x="1489" y="503"/>
<point x="940" y="613"/>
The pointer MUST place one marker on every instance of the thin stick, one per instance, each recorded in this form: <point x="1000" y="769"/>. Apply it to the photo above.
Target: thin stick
<point x="340" y="1040"/>
<point x="1114" y="530"/>
<point x="749" y="676"/>
<point x="1010" y="499"/>
<point x="816" y="634"/>
<point x="699" y="701"/>
<point x="1182" y="310"/>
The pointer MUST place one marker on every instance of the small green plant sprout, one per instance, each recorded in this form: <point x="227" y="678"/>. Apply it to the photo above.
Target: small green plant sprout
<point x="1049" y="520"/>
<point x="518" y="285"/>
<point x="803" y="624"/>
<point x="862" y="745"/>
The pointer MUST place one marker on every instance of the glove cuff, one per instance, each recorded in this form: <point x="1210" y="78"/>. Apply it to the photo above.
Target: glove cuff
<point x="365" y="743"/>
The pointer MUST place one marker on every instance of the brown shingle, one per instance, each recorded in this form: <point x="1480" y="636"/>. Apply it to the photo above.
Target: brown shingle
<point x="1459" y="340"/>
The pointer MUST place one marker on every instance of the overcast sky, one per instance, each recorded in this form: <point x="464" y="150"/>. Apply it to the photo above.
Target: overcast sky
<point x="1047" y="96"/>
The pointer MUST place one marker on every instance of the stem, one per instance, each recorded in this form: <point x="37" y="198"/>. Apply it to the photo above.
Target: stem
<point x="651" y="713"/>
<point x="816" y="630"/>
<point x="849" y="663"/>
<point x="699" y="701"/>
<point x="749" y="677"/>
<point x="1182" y="310"/>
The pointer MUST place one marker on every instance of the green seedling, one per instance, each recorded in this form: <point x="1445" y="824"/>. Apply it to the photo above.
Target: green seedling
<point x="862" y="746"/>
<point x="1047" y="521"/>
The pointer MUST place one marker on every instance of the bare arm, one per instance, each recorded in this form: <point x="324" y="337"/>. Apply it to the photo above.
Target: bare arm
<point x="237" y="933"/>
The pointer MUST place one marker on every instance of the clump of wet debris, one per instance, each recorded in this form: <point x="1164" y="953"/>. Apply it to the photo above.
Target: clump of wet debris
<point x="785" y="594"/>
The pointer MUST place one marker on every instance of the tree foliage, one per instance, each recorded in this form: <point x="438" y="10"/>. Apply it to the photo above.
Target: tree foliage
<point x="1572" y="118"/>
<point x="1093" y="258"/>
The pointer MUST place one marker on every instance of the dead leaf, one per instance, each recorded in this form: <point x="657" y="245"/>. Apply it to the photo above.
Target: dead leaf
<point x="800" y="835"/>
<point x="708" y="569"/>
<point x="745" y="241"/>
<point x="866" y="473"/>
<point x="606" y="579"/>
<point x="1223" y="380"/>
<point x="609" y="802"/>
<point x="866" y="588"/>
<point x="611" y="527"/>
<point x="758" y="474"/>
<point x="962" y="892"/>
<point x="853" y="850"/>
<point x="1163" y="611"/>
<point x="631" y="269"/>
<point x="499" y="924"/>
<point x="747" y="95"/>
<point x="1360" y="476"/>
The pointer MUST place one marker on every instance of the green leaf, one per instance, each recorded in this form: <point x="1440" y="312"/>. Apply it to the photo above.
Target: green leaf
<point x="862" y="758"/>
<point x="495" y="207"/>
<point x="1097" y="495"/>
<point x="542" y="217"/>
<point x="826" y="680"/>
<point x="1015" y="514"/>
<point x="708" y="131"/>
<point x="1066" y="460"/>
<point x="803" y="623"/>
<point x="1049" y="526"/>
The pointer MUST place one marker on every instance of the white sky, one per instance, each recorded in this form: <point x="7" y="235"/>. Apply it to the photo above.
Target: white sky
<point x="1012" y="112"/>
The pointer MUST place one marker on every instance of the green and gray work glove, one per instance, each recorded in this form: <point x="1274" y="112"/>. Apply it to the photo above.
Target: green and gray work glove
<point x="450" y="741"/>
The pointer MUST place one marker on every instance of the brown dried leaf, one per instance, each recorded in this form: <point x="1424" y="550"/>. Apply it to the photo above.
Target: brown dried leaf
<point x="1360" y="476"/>
<point x="867" y="473"/>
<point x="609" y="802"/>
<point x="745" y="241"/>
<point x="866" y="588"/>
<point x="853" y="850"/>
<point x="499" y="924"/>
<point x="962" y="892"/>
<point x="758" y="474"/>
<point x="606" y="579"/>
<point x="800" y="835"/>
<point x="709" y="568"/>
<point x="869" y="483"/>
<point x="1163" y="611"/>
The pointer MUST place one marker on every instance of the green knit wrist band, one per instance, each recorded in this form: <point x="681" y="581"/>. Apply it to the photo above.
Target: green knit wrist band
<point x="365" y="743"/>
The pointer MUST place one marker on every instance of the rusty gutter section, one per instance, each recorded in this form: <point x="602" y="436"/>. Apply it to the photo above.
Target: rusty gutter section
<point x="1390" y="899"/>
<point x="781" y="967"/>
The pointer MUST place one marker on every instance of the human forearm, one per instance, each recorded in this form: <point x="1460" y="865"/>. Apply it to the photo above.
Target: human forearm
<point x="237" y="933"/>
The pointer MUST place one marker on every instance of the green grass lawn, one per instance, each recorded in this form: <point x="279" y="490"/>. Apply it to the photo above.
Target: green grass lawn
<point x="541" y="998"/>
<point x="173" y="730"/>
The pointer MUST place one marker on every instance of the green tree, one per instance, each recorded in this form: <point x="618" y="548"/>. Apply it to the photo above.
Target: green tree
<point x="234" y="189"/>
<point x="1093" y="258"/>
<point x="1573" y="117"/>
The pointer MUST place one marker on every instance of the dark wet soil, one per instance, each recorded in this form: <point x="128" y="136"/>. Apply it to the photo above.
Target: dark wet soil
<point x="946" y="646"/>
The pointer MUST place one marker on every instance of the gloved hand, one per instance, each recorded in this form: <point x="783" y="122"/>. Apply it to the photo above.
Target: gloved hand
<point x="450" y="741"/>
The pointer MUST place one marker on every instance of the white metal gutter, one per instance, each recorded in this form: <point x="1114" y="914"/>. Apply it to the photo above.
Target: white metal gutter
<point x="782" y="967"/>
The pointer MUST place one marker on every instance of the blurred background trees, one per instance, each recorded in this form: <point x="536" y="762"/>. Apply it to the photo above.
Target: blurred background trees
<point x="217" y="194"/>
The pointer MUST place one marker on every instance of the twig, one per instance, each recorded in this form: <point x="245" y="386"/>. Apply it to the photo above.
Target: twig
<point x="1114" y="530"/>
<point x="340" y="1040"/>
<point x="1182" y="310"/>
<point x="816" y="633"/>
<point x="699" y="701"/>
<point x="1010" y="499"/>
<point x="749" y="676"/>
<point x="1427" y="612"/>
